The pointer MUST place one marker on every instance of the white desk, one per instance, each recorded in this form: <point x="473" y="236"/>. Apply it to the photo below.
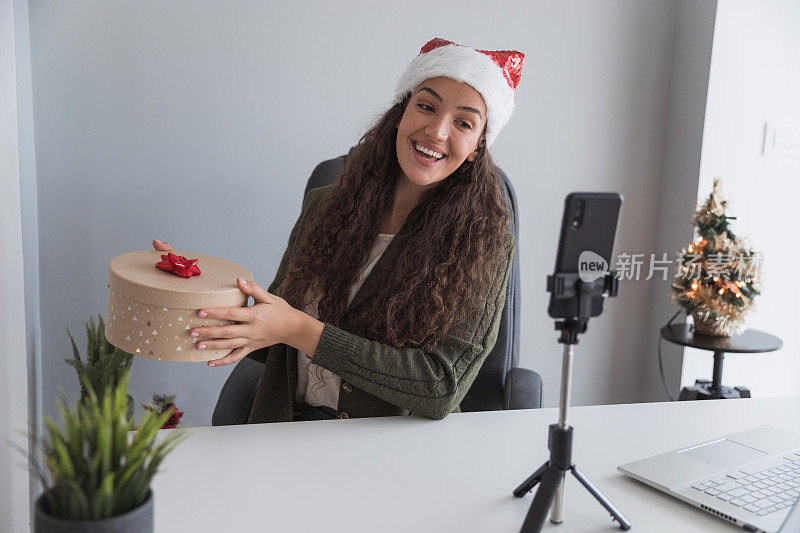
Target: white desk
<point x="408" y="474"/>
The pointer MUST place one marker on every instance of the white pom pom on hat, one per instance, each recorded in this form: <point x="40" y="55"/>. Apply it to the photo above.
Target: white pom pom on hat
<point x="494" y="74"/>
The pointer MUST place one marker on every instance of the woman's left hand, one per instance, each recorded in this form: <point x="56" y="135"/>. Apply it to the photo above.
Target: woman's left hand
<point x="268" y="321"/>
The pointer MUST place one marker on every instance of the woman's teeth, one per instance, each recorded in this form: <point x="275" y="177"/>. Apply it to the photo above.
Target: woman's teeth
<point x="432" y="156"/>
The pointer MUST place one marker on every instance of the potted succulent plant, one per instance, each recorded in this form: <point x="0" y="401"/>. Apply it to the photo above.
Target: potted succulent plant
<point x="98" y="466"/>
<point x="105" y="363"/>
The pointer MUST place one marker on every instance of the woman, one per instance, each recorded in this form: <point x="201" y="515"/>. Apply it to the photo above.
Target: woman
<point x="389" y="295"/>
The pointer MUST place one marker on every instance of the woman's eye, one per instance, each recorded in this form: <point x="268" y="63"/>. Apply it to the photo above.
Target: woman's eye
<point x="462" y="123"/>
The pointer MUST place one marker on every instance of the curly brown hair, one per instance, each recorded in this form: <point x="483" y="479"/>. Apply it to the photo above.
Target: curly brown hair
<point x="447" y="259"/>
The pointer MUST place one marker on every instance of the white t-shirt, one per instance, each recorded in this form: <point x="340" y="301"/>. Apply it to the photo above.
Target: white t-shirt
<point x="316" y="385"/>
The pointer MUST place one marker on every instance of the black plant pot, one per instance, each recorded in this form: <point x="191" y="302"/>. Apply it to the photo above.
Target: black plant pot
<point x="139" y="520"/>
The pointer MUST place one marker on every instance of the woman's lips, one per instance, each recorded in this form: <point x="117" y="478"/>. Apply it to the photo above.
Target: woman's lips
<point x="422" y="159"/>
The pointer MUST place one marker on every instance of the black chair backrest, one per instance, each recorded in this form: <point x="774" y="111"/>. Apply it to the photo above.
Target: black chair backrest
<point x="487" y="391"/>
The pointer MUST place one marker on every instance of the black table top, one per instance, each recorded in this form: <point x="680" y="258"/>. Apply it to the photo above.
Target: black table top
<point x="751" y="341"/>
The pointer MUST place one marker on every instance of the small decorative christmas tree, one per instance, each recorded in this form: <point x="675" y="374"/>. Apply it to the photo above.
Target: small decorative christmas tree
<point x="718" y="276"/>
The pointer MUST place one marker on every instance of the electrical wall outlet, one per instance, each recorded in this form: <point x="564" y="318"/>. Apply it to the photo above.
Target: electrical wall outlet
<point x="782" y="139"/>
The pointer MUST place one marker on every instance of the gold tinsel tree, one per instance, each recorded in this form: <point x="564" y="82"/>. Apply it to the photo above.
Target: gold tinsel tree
<point x="718" y="275"/>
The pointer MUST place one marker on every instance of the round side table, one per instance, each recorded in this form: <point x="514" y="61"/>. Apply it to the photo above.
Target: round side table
<point x="751" y="341"/>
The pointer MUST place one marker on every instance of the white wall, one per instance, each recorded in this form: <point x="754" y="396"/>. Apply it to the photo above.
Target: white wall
<point x="593" y="117"/>
<point x="14" y="479"/>
<point x="220" y="111"/>
<point x="694" y="30"/>
<point x="30" y="223"/>
<point x="755" y="79"/>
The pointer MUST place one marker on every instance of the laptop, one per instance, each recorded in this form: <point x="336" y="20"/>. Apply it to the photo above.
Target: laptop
<point x="751" y="479"/>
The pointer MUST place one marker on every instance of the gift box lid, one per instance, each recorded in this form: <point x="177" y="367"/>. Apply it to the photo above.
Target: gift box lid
<point x="135" y="275"/>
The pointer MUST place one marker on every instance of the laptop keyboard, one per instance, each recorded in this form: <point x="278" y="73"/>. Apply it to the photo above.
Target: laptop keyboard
<point x="760" y="492"/>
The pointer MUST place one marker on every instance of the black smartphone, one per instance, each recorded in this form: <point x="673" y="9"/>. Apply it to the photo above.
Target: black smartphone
<point x="588" y="230"/>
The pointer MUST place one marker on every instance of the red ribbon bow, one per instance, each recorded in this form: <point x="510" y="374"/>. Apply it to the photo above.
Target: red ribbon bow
<point x="177" y="264"/>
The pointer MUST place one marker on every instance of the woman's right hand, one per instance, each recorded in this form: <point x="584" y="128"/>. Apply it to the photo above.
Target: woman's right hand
<point x="162" y="246"/>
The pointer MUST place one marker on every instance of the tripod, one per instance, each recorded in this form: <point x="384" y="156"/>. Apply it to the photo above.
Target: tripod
<point x="551" y="476"/>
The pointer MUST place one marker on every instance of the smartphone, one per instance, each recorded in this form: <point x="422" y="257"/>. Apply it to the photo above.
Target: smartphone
<point x="585" y="245"/>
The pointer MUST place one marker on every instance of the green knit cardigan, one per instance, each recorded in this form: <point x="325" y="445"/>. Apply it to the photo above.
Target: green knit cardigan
<point x="378" y="379"/>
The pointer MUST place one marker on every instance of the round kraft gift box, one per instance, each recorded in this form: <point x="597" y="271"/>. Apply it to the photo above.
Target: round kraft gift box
<point x="150" y="311"/>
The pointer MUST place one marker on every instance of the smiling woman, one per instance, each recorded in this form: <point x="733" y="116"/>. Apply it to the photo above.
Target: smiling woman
<point x="394" y="280"/>
<point x="442" y="128"/>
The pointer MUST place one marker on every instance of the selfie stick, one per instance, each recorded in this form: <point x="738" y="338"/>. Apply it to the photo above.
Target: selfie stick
<point x="552" y="474"/>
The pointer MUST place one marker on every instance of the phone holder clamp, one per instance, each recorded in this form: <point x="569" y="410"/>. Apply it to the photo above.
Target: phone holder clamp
<point x="569" y="285"/>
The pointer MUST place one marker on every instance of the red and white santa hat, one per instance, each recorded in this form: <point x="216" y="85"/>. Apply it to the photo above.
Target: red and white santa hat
<point x="494" y="74"/>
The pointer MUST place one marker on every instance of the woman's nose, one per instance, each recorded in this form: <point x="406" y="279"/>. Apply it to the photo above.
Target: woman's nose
<point x="437" y="129"/>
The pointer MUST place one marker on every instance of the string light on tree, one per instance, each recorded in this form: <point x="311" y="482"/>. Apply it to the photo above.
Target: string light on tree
<point x="719" y="275"/>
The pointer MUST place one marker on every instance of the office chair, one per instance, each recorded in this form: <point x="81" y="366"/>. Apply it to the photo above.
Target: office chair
<point x="500" y="383"/>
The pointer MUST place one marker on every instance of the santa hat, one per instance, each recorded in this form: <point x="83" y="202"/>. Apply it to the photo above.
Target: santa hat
<point x="493" y="74"/>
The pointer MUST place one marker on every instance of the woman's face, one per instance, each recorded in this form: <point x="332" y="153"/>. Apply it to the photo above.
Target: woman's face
<point x="445" y="116"/>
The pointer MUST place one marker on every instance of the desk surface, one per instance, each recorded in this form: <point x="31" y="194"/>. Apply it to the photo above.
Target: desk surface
<point x="457" y="474"/>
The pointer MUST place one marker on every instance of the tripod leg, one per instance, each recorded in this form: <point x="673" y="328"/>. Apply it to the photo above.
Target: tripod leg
<point x="531" y="482"/>
<point x="540" y="506"/>
<point x="624" y="524"/>
<point x="555" y="509"/>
